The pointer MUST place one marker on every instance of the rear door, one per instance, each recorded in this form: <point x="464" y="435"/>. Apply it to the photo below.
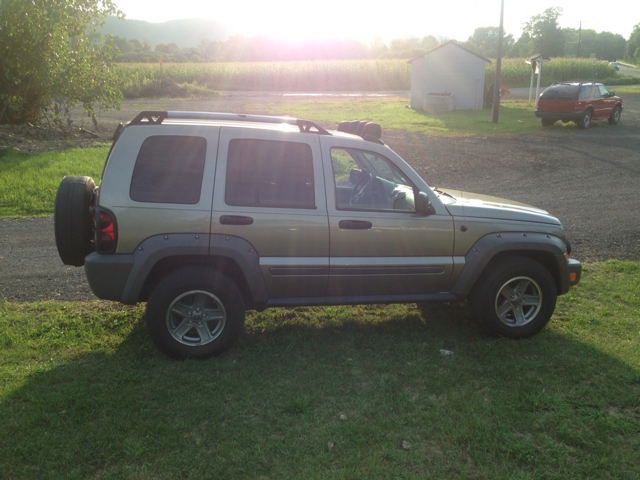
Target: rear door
<point x="270" y="192"/>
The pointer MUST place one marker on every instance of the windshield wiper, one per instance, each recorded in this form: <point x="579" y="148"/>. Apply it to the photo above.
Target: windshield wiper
<point x="436" y="189"/>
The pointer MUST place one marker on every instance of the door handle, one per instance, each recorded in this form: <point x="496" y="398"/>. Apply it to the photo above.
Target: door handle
<point x="355" y="224"/>
<point x="235" y="220"/>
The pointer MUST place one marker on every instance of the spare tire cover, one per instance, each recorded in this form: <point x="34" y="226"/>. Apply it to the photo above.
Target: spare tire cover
<point x="72" y="219"/>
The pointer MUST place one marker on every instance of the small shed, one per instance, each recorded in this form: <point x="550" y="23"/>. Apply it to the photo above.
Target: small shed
<point x="449" y="69"/>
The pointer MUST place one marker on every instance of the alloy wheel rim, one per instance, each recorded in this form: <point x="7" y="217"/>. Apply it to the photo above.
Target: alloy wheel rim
<point x="196" y="318"/>
<point x="518" y="301"/>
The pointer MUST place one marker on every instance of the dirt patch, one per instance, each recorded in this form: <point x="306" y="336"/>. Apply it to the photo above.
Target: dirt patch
<point x="588" y="179"/>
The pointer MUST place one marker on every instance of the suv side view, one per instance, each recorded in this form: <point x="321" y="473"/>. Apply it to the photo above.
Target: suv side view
<point x="206" y="215"/>
<point x="578" y="102"/>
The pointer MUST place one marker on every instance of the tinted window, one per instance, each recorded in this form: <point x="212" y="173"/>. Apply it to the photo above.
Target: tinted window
<point x="265" y="173"/>
<point x="562" y="92"/>
<point x="169" y="170"/>
<point x="585" y="92"/>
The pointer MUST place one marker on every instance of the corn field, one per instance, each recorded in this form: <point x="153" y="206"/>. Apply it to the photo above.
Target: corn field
<point x="273" y="76"/>
<point x="517" y="73"/>
<point x="338" y="75"/>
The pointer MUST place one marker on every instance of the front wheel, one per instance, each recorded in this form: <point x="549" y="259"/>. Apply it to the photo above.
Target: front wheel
<point x="515" y="298"/>
<point x="195" y="312"/>
<point x="615" y="116"/>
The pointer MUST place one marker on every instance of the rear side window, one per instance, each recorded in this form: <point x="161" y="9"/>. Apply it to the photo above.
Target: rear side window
<point x="169" y="169"/>
<point x="562" y="92"/>
<point x="265" y="173"/>
<point x="585" y="92"/>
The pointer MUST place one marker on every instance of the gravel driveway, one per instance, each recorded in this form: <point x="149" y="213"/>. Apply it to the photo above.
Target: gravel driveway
<point x="589" y="179"/>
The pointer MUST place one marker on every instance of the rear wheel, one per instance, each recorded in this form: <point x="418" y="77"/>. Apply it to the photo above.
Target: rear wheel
<point x="615" y="116"/>
<point x="547" y="122"/>
<point x="195" y="312"/>
<point x="585" y="121"/>
<point x="515" y="298"/>
<point x="73" y="224"/>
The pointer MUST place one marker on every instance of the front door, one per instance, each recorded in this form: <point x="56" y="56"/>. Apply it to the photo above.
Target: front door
<point x="379" y="245"/>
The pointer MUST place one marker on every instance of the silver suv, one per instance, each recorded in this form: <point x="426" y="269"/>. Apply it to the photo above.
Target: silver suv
<point x="205" y="215"/>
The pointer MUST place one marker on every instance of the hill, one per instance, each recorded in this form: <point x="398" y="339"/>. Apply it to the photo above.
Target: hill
<point x="184" y="33"/>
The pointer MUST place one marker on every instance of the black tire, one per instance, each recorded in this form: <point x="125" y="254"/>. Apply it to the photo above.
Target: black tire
<point x="514" y="298"/>
<point x="614" y="118"/>
<point x="73" y="224"/>
<point x="547" y="122"/>
<point x="195" y="312"/>
<point x="585" y="121"/>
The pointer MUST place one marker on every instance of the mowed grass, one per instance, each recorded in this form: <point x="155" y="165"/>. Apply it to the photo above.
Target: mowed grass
<point x="515" y="117"/>
<point x="28" y="182"/>
<point x="340" y="392"/>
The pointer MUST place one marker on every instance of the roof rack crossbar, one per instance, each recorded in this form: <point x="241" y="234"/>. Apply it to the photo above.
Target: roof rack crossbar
<point x="156" y="118"/>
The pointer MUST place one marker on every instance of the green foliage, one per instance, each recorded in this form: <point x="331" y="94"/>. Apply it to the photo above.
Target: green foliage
<point x="632" y="52"/>
<point x="50" y="53"/>
<point x="544" y="29"/>
<point x="484" y="41"/>
<point x="333" y="392"/>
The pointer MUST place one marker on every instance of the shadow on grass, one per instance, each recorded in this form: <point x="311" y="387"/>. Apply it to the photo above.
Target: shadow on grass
<point x="311" y="401"/>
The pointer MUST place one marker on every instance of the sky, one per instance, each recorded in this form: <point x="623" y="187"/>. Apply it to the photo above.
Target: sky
<point x="453" y="19"/>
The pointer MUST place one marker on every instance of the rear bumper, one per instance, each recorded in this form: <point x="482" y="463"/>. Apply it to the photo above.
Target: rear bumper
<point x="565" y="116"/>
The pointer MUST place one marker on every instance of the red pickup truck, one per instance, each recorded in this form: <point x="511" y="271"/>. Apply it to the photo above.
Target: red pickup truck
<point x="578" y="102"/>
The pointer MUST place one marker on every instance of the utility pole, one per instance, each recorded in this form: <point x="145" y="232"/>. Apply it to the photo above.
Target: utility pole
<point x="579" y="38"/>
<point x="496" y="86"/>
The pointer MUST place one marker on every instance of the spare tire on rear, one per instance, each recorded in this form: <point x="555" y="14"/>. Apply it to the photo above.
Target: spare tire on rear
<point x="72" y="219"/>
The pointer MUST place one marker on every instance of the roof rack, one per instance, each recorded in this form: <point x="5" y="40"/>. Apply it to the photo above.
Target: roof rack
<point x="157" y="117"/>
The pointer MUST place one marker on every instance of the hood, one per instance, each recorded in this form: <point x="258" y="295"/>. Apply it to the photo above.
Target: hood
<point x="484" y="206"/>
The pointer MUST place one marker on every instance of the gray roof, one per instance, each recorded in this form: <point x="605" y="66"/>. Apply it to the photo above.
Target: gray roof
<point x="452" y="42"/>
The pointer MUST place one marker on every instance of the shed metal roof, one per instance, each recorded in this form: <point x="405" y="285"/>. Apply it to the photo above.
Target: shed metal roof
<point x="452" y="42"/>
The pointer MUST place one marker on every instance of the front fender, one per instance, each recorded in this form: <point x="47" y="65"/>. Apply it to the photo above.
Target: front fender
<point x="550" y="247"/>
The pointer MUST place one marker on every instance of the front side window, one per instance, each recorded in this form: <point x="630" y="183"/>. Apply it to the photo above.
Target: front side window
<point x="169" y="169"/>
<point x="603" y="90"/>
<point x="266" y="173"/>
<point x="368" y="181"/>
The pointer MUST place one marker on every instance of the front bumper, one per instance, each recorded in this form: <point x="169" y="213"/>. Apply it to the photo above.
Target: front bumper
<point x="575" y="271"/>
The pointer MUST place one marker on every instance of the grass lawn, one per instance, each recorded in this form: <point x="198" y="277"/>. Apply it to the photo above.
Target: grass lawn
<point x="340" y="392"/>
<point x="28" y="182"/>
<point x="515" y="116"/>
<point x="630" y="89"/>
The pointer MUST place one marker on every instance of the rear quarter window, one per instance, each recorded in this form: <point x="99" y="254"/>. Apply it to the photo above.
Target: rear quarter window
<point x="169" y="169"/>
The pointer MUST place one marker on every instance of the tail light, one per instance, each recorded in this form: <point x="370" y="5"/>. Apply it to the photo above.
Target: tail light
<point x="106" y="231"/>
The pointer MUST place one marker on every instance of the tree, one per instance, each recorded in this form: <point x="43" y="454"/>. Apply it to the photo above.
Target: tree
<point x="546" y="34"/>
<point x="632" y="50"/>
<point x="484" y="41"/>
<point x="49" y="61"/>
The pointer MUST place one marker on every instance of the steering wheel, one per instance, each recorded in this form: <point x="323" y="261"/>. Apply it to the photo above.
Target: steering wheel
<point x="359" y="189"/>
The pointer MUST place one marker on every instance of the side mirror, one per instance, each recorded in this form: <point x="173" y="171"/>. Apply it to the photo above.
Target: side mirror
<point x="355" y="175"/>
<point x="423" y="205"/>
<point x="612" y="94"/>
